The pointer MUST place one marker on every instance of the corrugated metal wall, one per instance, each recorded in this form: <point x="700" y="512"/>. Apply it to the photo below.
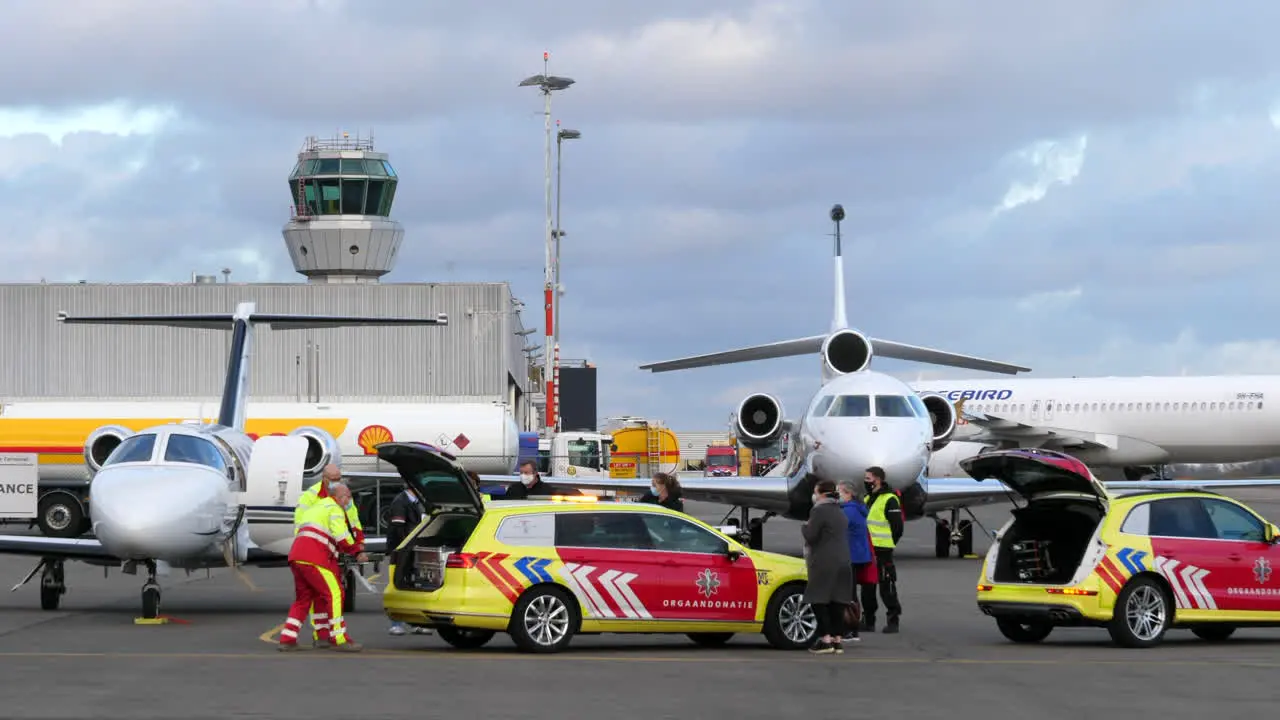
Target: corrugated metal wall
<point x="475" y="358"/>
<point x="693" y="445"/>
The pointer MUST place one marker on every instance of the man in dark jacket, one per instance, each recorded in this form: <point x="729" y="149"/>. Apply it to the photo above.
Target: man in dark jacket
<point x="404" y="516"/>
<point x="530" y="483"/>
<point x="884" y="520"/>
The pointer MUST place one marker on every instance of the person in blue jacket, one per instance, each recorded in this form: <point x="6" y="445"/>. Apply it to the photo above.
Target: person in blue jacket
<point x="860" y="553"/>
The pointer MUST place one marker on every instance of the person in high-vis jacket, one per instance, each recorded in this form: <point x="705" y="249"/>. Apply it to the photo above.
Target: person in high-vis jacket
<point x="884" y="520"/>
<point x="322" y="536"/>
<point x="330" y="477"/>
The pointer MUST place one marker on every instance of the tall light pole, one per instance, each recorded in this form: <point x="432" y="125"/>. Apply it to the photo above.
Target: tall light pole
<point x="548" y="83"/>
<point x="561" y="136"/>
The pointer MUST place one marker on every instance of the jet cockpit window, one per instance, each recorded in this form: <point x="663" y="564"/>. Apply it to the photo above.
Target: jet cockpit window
<point x="893" y="406"/>
<point x="135" y="449"/>
<point x="851" y="406"/>
<point x="821" y="406"/>
<point x="918" y="405"/>
<point x="194" y="450"/>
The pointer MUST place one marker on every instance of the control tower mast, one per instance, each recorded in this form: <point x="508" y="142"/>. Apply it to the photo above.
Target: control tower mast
<point x="340" y="231"/>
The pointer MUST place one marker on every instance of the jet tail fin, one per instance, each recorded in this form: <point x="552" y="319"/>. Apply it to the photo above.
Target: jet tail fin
<point x="240" y="323"/>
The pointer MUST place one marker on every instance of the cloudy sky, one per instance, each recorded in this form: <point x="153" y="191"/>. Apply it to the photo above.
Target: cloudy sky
<point x="1085" y="188"/>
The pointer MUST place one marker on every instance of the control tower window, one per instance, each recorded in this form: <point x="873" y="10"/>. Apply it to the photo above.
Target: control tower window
<point x="893" y="406"/>
<point x="328" y="166"/>
<point x="330" y="197"/>
<point x="390" y="171"/>
<point x="194" y="450"/>
<point x="352" y="196"/>
<point x="375" y="168"/>
<point x="135" y="449"/>
<point x="352" y="167"/>
<point x="851" y="406"/>
<point x="374" y="198"/>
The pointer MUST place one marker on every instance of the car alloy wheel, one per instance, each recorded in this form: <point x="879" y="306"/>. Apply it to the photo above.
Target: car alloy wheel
<point x="546" y="620"/>
<point x="1145" y="613"/>
<point x="797" y="619"/>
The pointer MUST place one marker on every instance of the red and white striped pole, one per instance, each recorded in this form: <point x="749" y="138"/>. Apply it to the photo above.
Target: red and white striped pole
<point x="551" y="377"/>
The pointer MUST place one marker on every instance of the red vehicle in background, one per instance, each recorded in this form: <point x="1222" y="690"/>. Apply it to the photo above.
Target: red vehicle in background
<point x="722" y="460"/>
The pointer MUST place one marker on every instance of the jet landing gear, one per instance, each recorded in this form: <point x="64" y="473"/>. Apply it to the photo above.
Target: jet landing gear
<point x="954" y="532"/>
<point x="52" y="582"/>
<point x="754" y="533"/>
<point x="150" y="589"/>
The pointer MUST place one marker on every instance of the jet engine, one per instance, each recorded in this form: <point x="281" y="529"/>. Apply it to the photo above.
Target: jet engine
<point x="844" y="352"/>
<point x="322" y="449"/>
<point x="100" y="444"/>
<point x="759" y="421"/>
<point x="943" y="416"/>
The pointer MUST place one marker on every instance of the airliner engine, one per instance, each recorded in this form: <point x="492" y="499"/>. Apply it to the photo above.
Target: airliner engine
<point x="759" y="423"/>
<point x="101" y="442"/>
<point x="943" y="416"/>
<point x="844" y="352"/>
<point x="322" y="449"/>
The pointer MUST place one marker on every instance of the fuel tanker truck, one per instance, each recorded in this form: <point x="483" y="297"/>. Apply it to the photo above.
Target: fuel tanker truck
<point x="73" y="439"/>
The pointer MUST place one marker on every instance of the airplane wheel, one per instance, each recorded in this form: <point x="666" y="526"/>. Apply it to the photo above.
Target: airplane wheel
<point x="150" y="602"/>
<point x="50" y="596"/>
<point x="941" y="540"/>
<point x="965" y="547"/>
<point x="349" y="591"/>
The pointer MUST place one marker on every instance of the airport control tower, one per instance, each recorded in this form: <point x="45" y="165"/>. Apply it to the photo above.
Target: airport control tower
<point x="340" y="231"/>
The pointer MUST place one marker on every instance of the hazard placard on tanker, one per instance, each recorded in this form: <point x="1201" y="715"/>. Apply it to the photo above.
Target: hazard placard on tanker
<point x="19" y="475"/>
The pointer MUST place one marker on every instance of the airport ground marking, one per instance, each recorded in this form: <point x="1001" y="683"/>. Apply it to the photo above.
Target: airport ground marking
<point x="269" y="636"/>
<point x="693" y="657"/>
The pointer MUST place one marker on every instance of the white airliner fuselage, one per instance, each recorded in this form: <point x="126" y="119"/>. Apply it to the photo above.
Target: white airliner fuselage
<point x="1130" y="422"/>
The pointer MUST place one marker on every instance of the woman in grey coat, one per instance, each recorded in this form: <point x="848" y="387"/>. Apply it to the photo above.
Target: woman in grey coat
<point x="830" y="585"/>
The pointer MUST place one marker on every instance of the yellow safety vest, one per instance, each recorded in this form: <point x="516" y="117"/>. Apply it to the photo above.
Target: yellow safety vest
<point x="353" y="517"/>
<point x="325" y="521"/>
<point x="305" y="502"/>
<point x="877" y="523"/>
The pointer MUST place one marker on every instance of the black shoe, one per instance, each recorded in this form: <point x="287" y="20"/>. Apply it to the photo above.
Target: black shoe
<point x="891" y="628"/>
<point x="852" y="636"/>
<point x="868" y="625"/>
<point x="822" y="648"/>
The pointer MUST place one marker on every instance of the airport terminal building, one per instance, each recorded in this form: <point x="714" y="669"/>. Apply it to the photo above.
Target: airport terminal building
<point x="342" y="239"/>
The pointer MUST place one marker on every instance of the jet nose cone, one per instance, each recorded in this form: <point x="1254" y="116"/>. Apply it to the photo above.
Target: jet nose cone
<point x="155" y="512"/>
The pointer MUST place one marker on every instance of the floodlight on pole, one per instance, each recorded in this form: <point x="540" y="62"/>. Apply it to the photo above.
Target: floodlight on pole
<point x="562" y="134"/>
<point x="548" y="83"/>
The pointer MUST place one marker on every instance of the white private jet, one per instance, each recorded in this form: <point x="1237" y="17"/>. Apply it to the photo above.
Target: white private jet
<point x="1138" y="425"/>
<point x="858" y="418"/>
<point x="191" y="495"/>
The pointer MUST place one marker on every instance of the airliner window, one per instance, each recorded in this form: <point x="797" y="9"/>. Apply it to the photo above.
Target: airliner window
<point x="892" y="406"/>
<point x="918" y="405"/>
<point x="135" y="449"/>
<point x="851" y="406"/>
<point x="194" y="450"/>
<point x="820" y="408"/>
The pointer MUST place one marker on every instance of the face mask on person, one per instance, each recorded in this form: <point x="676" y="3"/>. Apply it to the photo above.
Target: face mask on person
<point x="526" y="479"/>
<point x="654" y="489"/>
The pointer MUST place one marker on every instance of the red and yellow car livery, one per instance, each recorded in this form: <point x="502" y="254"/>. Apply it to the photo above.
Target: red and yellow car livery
<point x="1137" y="564"/>
<point x="546" y="571"/>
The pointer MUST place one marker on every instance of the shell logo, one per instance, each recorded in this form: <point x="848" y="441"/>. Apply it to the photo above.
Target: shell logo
<point x="372" y="436"/>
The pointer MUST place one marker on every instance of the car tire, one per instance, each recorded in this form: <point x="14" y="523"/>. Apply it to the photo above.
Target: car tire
<point x="465" y="638"/>
<point x="544" y="620"/>
<point x="711" y="639"/>
<point x="1024" y="630"/>
<point x="789" y="622"/>
<point x="1213" y="633"/>
<point x="1143" y="613"/>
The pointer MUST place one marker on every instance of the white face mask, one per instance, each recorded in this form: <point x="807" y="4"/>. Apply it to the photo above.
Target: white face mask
<point x="526" y="479"/>
<point x="654" y="489"/>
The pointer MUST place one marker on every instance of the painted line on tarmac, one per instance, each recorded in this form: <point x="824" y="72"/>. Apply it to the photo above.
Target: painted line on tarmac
<point x="269" y="636"/>
<point x="698" y="658"/>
